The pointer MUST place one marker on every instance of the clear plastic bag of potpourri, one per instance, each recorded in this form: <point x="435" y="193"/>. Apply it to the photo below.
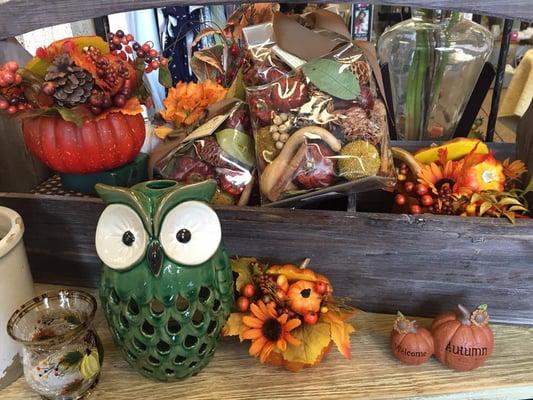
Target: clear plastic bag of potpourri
<point x="323" y="128"/>
<point x="221" y="149"/>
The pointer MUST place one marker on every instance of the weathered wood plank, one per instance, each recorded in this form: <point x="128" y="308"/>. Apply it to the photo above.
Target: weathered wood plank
<point x="19" y="16"/>
<point x="383" y="262"/>
<point x="371" y="374"/>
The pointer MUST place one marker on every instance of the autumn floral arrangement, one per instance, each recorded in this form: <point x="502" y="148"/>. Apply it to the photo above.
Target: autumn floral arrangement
<point x="289" y="314"/>
<point x="206" y="124"/>
<point x="460" y="177"/>
<point x="71" y="89"/>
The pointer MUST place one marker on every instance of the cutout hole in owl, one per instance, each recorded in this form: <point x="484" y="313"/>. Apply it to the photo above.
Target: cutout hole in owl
<point x="124" y="324"/>
<point x="133" y="308"/>
<point x="154" y="361"/>
<point x="156" y="307"/>
<point x="169" y="371"/>
<point x="163" y="347"/>
<point x="147" y="329"/>
<point x="212" y="327"/>
<point x="204" y="294"/>
<point x="216" y="305"/>
<point x="113" y="297"/>
<point x="190" y="341"/>
<point x="138" y="345"/>
<point x="158" y="185"/>
<point x="193" y="364"/>
<point x="179" y="359"/>
<point x="202" y="349"/>
<point x="182" y="304"/>
<point x="173" y="326"/>
<point x="197" y="318"/>
<point x="148" y="371"/>
<point x="132" y="356"/>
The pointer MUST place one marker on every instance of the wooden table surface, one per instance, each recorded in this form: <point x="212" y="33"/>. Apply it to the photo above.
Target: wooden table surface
<point x="371" y="374"/>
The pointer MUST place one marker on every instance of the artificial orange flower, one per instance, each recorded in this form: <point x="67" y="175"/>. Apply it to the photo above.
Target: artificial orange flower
<point x="513" y="170"/>
<point x="438" y="173"/>
<point x="268" y="331"/>
<point x="186" y="103"/>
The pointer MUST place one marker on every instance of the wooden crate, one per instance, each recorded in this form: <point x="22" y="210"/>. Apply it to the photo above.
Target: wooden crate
<point x="384" y="262"/>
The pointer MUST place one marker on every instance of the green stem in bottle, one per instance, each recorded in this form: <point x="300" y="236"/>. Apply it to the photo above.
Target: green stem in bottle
<point x="443" y="60"/>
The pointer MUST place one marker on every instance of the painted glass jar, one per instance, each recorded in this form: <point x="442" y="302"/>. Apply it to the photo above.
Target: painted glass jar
<point x="434" y="61"/>
<point x="62" y="353"/>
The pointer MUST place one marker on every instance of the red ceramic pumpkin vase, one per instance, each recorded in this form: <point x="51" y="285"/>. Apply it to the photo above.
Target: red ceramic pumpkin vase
<point x="410" y="343"/>
<point x="463" y="339"/>
<point x="93" y="147"/>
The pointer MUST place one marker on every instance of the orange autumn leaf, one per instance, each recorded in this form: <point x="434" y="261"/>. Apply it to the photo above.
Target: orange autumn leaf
<point x="340" y="330"/>
<point x="186" y="102"/>
<point x="234" y="326"/>
<point x="314" y="339"/>
<point x="276" y="359"/>
<point x="132" y="107"/>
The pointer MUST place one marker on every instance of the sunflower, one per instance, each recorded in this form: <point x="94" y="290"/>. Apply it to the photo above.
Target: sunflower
<point x="268" y="331"/>
<point x="437" y="174"/>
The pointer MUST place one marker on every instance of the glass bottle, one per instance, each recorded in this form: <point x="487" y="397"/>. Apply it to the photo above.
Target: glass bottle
<point x="61" y="352"/>
<point x="434" y="61"/>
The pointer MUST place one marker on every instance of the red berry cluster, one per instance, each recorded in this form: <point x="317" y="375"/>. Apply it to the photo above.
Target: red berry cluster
<point x="12" y="99"/>
<point x="237" y="60"/>
<point x="125" y="46"/>
<point x="417" y="196"/>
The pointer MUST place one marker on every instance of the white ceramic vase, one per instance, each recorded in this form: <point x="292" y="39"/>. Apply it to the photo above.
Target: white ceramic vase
<point x="16" y="287"/>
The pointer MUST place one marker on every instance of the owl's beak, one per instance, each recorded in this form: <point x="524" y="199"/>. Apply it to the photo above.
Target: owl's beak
<point x="154" y="257"/>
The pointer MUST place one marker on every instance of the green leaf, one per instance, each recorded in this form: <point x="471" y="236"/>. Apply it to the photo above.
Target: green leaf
<point x="508" y="201"/>
<point x="70" y="115"/>
<point x="242" y="266"/>
<point x="236" y="90"/>
<point x="529" y="187"/>
<point x="165" y="77"/>
<point x="238" y="145"/>
<point x="510" y="216"/>
<point x="72" y="358"/>
<point x="484" y="208"/>
<point x="518" y="208"/>
<point x="327" y="76"/>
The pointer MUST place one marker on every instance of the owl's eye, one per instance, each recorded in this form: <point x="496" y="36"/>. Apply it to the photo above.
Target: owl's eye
<point x="190" y="233"/>
<point x="120" y="237"/>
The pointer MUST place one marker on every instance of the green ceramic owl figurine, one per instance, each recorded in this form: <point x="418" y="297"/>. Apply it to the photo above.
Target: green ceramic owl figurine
<point x="167" y="285"/>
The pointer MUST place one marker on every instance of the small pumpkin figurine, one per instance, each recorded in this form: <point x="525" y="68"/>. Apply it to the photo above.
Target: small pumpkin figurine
<point x="303" y="298"/>
<point x="463" y="340"/>
<point x="410" y="344"/>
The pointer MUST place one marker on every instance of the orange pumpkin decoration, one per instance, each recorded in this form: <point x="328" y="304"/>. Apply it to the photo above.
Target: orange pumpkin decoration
<point x="410" y="344"/>
<point x="303" y="298"/>
<point x="295" y="273"/>
<point x="93" y="147"/>
<point x="463" y="340"/>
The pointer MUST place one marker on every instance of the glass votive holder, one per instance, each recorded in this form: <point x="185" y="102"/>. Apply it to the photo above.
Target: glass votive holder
<point x="61" y="352"/>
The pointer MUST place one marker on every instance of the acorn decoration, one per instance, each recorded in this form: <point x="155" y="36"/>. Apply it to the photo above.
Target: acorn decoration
<point x="463" y="339"/>
<point x="410" y="344"/>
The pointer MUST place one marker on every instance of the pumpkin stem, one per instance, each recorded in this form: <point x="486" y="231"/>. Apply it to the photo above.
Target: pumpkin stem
<point x="465" y="314"/>
<point x="403" y="325"/>
<point x="305" y="263"/>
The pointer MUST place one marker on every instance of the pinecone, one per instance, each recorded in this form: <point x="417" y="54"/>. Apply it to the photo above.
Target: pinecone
<point x="73" y="84"/>
<point x="209" y="151"/>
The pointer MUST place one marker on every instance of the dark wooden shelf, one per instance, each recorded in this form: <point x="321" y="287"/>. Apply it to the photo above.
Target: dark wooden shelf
<point x="19" y="16"/>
